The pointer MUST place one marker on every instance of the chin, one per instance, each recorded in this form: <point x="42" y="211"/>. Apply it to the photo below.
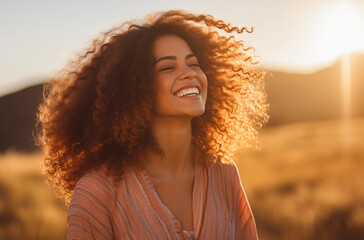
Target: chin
<point x="197" y="112"/>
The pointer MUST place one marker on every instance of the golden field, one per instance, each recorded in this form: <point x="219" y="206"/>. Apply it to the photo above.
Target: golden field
<point x="28" y="207"/>
<point x="305" y="183"/>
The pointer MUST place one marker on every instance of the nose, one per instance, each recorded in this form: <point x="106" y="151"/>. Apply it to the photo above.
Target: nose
<point x="187" y="73"/>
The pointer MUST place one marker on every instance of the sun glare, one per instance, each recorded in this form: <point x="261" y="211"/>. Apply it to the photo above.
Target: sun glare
<point x="341" y="29"/>
<point x="346" y="85"/>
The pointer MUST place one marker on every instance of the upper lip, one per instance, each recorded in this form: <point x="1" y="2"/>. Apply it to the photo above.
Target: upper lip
<point x="188" y="86"/>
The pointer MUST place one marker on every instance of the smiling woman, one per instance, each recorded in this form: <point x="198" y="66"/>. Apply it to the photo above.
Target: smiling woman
<point x="179" y="81"/>
<point x="139" y="134"/>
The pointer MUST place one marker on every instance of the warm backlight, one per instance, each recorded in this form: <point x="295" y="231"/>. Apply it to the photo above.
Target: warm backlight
<point x="342" y="28"/>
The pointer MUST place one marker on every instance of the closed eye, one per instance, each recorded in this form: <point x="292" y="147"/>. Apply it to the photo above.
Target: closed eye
<point x="167" y="68"/>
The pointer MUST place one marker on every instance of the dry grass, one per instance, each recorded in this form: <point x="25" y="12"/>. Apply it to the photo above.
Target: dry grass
<point x="305" y="183"/>
<point x="28" y="208"/>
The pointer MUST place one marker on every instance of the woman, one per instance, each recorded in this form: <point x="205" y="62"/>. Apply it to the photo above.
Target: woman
<point x="139" y="134"/>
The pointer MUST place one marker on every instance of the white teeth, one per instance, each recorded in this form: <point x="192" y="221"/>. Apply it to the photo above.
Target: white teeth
<point x="187" y="91"/>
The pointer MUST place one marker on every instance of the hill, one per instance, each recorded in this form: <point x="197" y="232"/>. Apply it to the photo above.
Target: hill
<point x="316" y="96"/>
<point x="18" y="117"/>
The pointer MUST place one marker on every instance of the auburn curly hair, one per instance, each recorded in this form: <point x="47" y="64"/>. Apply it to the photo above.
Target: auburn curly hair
<point x="97" y="112"/>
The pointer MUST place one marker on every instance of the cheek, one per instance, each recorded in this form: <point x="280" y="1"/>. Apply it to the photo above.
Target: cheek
<point x="204" y="82"/>
<point x="203" y="79"/>
<point x="161" y="86"/>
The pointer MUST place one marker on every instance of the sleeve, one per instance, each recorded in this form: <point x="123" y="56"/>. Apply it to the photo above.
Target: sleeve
<point x="246" y="228"/>
<point x="89" y="216"/>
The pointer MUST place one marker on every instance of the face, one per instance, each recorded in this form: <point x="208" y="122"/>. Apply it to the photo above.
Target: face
<point x="179" y="82"/>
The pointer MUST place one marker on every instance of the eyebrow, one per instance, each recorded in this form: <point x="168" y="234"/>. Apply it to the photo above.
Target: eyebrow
<point x="173" y="58"/>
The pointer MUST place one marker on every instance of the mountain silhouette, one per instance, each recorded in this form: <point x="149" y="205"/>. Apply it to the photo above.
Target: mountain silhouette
<point x="292" y="98"/>
<point x="316" y="96"/>
<point x="18" y="117"/>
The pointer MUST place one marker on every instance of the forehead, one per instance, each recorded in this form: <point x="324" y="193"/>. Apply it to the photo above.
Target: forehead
<point x="170" y="45"/>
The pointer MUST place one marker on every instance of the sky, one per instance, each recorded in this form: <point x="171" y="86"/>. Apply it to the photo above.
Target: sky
<point x="38" y="37"/>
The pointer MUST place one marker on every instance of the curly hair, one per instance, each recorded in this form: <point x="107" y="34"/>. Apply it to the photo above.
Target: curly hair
<point x="97" y="111"/>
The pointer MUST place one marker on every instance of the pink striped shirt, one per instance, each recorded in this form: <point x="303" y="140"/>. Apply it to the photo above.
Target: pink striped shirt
<point x="99" y="209"/>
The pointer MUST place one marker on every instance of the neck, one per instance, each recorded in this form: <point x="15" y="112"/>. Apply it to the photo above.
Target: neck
<point x="173" y="135"/>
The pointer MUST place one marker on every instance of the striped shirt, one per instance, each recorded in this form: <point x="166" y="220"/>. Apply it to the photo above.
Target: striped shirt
<point x="131" y="209"/>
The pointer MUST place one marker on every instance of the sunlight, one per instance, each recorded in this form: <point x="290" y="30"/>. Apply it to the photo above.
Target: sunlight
<point x="346" y="106"/>
<point x="341" y="29"/>
<point x="341" y="35"/>
<point x="346" y="86"/>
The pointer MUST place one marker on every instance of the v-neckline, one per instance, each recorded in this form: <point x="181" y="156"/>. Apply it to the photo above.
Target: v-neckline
<point x="196" y="202"/>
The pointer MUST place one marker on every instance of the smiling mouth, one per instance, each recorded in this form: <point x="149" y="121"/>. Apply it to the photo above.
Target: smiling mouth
<point x="192" y="91"/>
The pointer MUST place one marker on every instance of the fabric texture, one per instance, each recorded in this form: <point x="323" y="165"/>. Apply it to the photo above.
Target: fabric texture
<point x="131" y="209"/>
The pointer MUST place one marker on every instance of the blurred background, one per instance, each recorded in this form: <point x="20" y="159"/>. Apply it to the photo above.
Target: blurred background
<point x="304" y="183"/>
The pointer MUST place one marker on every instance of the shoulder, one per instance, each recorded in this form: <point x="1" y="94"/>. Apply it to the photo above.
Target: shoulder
<point x="91" y="207"/>
<point x="226" y="174"/>
<point x="94" y="189"/>
<point x="228" y="171"/>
